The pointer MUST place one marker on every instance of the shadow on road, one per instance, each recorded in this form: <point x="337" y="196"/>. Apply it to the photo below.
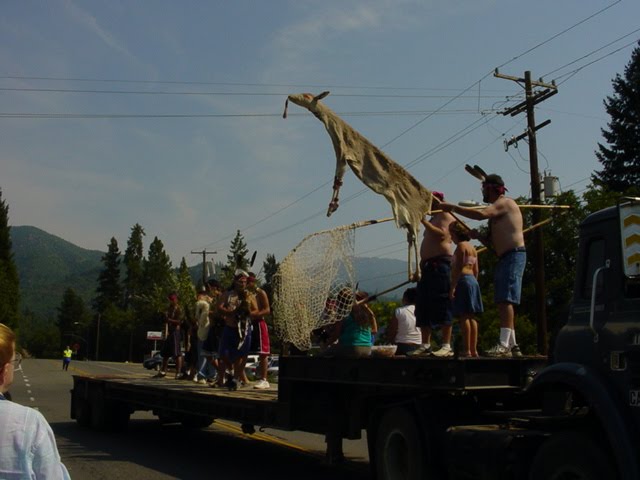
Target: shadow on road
<point x="151" y="450"/>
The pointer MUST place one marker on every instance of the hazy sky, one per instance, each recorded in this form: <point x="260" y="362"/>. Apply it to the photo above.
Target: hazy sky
<point x="169" y="113"/>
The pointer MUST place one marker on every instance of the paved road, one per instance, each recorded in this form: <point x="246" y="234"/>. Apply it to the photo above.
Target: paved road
<point x="149" y="450"/>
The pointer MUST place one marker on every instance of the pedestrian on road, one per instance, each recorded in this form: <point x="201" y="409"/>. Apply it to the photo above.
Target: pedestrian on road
<point x="66" y="358"/>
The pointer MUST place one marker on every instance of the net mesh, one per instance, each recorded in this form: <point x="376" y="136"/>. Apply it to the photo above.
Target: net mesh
<point x="314" y="285"/>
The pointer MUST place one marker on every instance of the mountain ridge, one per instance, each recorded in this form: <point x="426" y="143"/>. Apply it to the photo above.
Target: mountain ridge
<point x="47" y="265"/>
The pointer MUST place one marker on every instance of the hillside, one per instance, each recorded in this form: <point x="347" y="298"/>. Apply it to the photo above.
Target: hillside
<point x="48" y="265"/>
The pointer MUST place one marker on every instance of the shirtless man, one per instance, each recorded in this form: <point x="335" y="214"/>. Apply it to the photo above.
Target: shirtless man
<point x="433" y="306"/>
<point x="507" y="239"/>
<point x="237" y="306"/>
<point x="260" y="335"/>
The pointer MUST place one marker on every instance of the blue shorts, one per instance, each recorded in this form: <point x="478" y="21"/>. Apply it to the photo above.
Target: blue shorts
<point x="230" y="346"/>
<point x="508" y="276"/>
<point x="468" y="298"/>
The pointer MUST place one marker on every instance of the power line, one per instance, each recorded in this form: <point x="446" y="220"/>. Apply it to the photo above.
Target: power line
<point x="592" y="52"/>
<point x="553" y="37"/>
<point x="570" y="74"/>
<point x="224" y="94"/>
<point x="90" y="116"/>
<point x="229" y="84"/>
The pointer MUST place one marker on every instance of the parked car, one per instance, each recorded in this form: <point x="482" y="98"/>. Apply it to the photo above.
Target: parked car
<point x="272" y="368"/>
<point x="155" y="362"/>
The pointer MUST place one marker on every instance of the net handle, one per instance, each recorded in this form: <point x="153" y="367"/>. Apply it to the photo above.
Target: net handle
<point x="371" y="298"/>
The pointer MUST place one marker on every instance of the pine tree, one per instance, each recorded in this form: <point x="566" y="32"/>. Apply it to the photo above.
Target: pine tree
<point x="269" y="267"/>
<point x="71" y="311"/>
<point x="109" y="290"/>
<point x="157" y="266"/>
<point x="186" y="291"/>
<point x="236" y="259"/>
<point x="9" y="282"/>
<point x="134" y="264"/>
<point x="621" y="159"/>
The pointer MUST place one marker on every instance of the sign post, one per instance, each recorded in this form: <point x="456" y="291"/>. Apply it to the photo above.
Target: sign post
<point x="155" y="336"/>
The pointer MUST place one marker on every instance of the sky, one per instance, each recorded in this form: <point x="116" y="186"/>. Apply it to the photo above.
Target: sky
<point x="169" y="114"/>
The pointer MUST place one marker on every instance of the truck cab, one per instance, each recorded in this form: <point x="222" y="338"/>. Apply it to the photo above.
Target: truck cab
<point x="594" y="375"/>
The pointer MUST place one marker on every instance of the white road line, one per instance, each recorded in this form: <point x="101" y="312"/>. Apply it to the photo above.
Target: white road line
<point x="32" y="399"/>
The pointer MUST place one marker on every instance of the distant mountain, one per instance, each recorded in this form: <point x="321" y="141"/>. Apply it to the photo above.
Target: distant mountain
<point x="378" y="274"/>
<point x="48" y="265"/>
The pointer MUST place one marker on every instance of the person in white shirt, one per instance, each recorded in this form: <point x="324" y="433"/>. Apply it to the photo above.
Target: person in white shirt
<point x="27" y="445"/>
<point x="402" y="329"/>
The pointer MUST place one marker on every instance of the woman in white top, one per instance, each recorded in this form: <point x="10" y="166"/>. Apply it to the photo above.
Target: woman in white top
<point x="27" y="445"/>
<point x="402" y="328"/>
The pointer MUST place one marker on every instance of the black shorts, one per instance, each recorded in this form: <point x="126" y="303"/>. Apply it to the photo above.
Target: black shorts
<point x="172" y="346"/>
<point x="433" y="307"/>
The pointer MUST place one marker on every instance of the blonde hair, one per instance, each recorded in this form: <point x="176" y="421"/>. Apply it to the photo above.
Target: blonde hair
<point x="7" y="344"/>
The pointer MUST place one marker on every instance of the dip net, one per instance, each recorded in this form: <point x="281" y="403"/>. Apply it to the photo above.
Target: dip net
<point x="314" y="285"/>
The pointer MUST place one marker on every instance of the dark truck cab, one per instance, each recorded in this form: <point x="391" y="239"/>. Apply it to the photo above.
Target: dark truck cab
<point x="584" y="416"/>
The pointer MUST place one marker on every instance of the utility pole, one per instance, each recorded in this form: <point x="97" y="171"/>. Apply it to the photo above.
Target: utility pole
<point x="204" y="254"/>
<point x="98" y="338"/>
<point x="531" y="99"/>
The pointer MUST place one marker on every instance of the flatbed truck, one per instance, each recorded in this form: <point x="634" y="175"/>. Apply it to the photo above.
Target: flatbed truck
<point x="573" y="416"/>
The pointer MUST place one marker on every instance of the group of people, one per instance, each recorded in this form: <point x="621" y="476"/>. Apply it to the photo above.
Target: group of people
<point x="448" y="287"/>
<point x="228" y="326"/>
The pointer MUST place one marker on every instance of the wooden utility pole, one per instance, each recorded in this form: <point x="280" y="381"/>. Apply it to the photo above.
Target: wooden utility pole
<point x="531" y="99"/>
<point x="204" y="254"/>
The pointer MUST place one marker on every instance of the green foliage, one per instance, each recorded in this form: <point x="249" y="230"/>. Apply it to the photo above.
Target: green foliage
<point x="72" y="310"/>
<point x="269" y="269"/>
<point x="134" y="264"/>
<point x="38" y="338"/>
<point x="383" y="311"/>
<point x="621" y="159"/>
<point x="157" y="268"/>
<point x="237" y="258"/>
<point x="186" y="291"/>
<point x="9" y="283"/>
<point x="109" y="290"/>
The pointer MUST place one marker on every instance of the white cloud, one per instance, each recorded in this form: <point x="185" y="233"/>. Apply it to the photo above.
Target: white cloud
<point x="91" y="23"/>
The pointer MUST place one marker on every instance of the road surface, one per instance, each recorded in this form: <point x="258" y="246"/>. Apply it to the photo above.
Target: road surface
<point x="149" y="450"/>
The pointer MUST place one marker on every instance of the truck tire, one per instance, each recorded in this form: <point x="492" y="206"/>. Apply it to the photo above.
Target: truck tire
<point x="107" y="415"/>
<point x="82" y="410"/>
<point x="196" y="421"/>
<point x="399" y="454"/>
<point x="574" y="455"/>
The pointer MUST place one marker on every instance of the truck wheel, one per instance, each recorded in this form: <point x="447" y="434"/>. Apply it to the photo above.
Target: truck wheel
<point x="399" y="454"/>
<point x="571" y="455"/>
<point x="82" y="411"/>
<point x="196" y="421"/>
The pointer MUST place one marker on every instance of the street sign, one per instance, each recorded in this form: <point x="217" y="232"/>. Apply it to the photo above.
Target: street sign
<point x="154" y="335"/>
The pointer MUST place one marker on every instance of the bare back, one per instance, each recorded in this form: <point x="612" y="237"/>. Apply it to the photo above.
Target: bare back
<point x="505" y="222"/>
<point x="437" y="239"/>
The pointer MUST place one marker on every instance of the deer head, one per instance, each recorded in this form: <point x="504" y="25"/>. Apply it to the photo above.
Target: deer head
<point x="305" y="100"/>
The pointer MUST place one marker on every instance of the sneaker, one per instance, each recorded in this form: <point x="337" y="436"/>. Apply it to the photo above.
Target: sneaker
<point x="444" y="352"/>
<point x="498" y="351"/>
<point x="515" y="351"/>
<point x="261" y="384"/>
<point x="421" y="351"/>
<point x="160" y="375"/>
<point x="179" y="376"/>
